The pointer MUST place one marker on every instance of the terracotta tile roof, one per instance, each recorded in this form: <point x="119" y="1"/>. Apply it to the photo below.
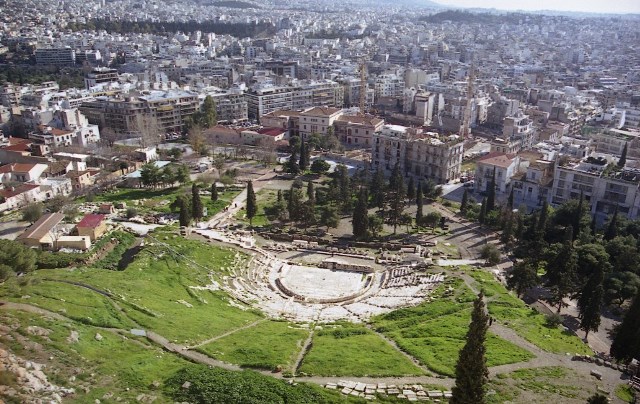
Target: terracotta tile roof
<point x="360" y="119"/>
<point x="91" y="221"/>
<point x="315" y="111"/>
<point x="16" y="168"/>
<point x="8" y="193"/>
<point x="43" y="226"/>
<point x="271" y="131"/>
<point x="20" y="147"/>
<point x="283" y="112"/>
<point x="497" y="159"/>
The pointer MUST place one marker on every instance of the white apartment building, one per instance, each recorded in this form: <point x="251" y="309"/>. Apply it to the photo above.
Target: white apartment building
<point x="388" y="85"/>
<point x="318" y="120"/>
<point x="505" y="167"/>
<point x="56" y="56"/>
<point x="603" y="188"/>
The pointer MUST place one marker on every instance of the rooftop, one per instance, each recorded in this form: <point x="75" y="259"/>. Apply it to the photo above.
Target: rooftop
<point x="91" y="220"/>
<point x="41" y="227"/>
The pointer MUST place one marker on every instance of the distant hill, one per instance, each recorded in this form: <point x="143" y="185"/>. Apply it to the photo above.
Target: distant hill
<point x="482" y="18"/>
<point x="234" y="4"/>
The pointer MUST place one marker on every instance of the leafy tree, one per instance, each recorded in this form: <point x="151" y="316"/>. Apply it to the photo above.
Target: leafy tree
<point x="406" y="220"/>
<point x="360" y="219"/>
<point x="252" y="206"/>
<point x="197" y="210"/>
<point x="167" y="176"/>
<point x="16" y="257"/>
<point x="490" y="254"/>
<point x="182" y="174"/>
<point x="491" y="193"/>
<point x="307" y="214"/>
<point x="375" y="225"/>
<point x="329" y="216"/>
<point x="623" y="254"/>
<point x="341" y="188"/>
<point x="592" y="258"/>
<point x="320" y="166"/>
<point x="590" y="303"/>
<point x="620" y="287"/>
<point x="411" y="189"/>
<point x="150" y="175"/>
<point x="57" y="203"/>
<point x="626" y="341"/>
<point x="206" y="117"/>
<point x="214" y="192"/>
<point x="523" y="276"/>
<point x="562" y="268"/>
<point x="32" y="212"/>
<point x="431" y="219"/>
<point x="598" y="398"/>
<point x="472" y="373"/>
<point x="464" y="205"/>
<point x="623" y="157"/>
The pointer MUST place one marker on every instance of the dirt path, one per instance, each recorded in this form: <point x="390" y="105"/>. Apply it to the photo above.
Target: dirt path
<point x="244" y="327"/>
<point x="303" y="351"/>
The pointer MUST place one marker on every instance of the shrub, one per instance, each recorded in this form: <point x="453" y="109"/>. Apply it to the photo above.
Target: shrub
<point x="553" y="320"/>
<point x="490" y="254"/>
<point x="131" y="212"/>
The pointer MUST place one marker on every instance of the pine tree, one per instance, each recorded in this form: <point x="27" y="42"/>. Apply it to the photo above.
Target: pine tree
<point x="491" y="193"/>
<point x="483" y="211"/>
<point x="626" y="342"/>
<point x="510" y="199"/>
<point x="523" y="276"/>
<point x="411" y="190"/>
<point x="612" y="228"/>
<point x="419" y="206"/>
<point x="471" y="370"/>
<point x="214" y="192"/>
<point x="590" y="303"/>
<point x="252" y="206"/>
<point x="360" y="216"/>
<point x="623" y="157"/>
<point x="464" y="205"/>
<point x="196" y="203"/>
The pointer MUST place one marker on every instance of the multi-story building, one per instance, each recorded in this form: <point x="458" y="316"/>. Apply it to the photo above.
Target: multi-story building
<point x="351" y="91"/>
<point x="263" y="100"/>
<point x="603" y="186"/>
<point x="318" y="120"/>
<point x="533" y="187"/>
<point x="100" y="76"/>
<point x="357" y="130"/>
<point x="230" y="106"/>
<point x="423" y="155"/>
<point x="56" y="56"/>
<point x="505" y="167"/>
<point x="167" y="111"/>
<point x="389" y="85"/>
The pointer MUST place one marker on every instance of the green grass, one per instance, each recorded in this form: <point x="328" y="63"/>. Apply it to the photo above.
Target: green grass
<point x="434" y="332"/>
<point x="547" y="384"/>
<point x="264" y="197"/>
<point x="118" y="364"/>
<point x="525" y="321"/>
<point x="265" y="345"/>
<point x="353" y="350"/>
<point x="149" y="291"/>
<point x="625" y="393"/>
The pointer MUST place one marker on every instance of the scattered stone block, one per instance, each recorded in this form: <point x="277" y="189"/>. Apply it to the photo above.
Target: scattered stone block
<point x="360" y="387"/>
<point x="331" y="386"/>
<point x="596" y="374"/>
<point x="346" y="390"/>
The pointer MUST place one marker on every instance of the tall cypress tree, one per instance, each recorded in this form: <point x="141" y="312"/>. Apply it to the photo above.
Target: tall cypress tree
<point x="590" y="303"/>
<point x="464" y="205"/>
<point x="185" y="214"/>
<point x="360" y="218"/>
<point x="311" y="193"/>
<point x="483" y="211"/>
<point x="544" y="216"/>
<point x="471" y="370"/>
<point x="491" y="193"/>
<point x="214" y="192"/>
<point x="196" y="203"/>
<point x="578" y="216"/>
<point x="303" y="162"/>
<point x="411" y="190"/>
<point x="626" y="342"/>
<point x="419" y="192"/>
<point x="252" y="206"/>
<point x="377" y="189"/>
<point x="612" y="228"/>
<point x="623" y="157"/>
<point x="419" y="205"/>
<point x="510" y="199"/>
<point x="396" y="196"/>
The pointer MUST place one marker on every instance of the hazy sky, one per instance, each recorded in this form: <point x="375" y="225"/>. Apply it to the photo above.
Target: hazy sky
<point x="596" y="6"/>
